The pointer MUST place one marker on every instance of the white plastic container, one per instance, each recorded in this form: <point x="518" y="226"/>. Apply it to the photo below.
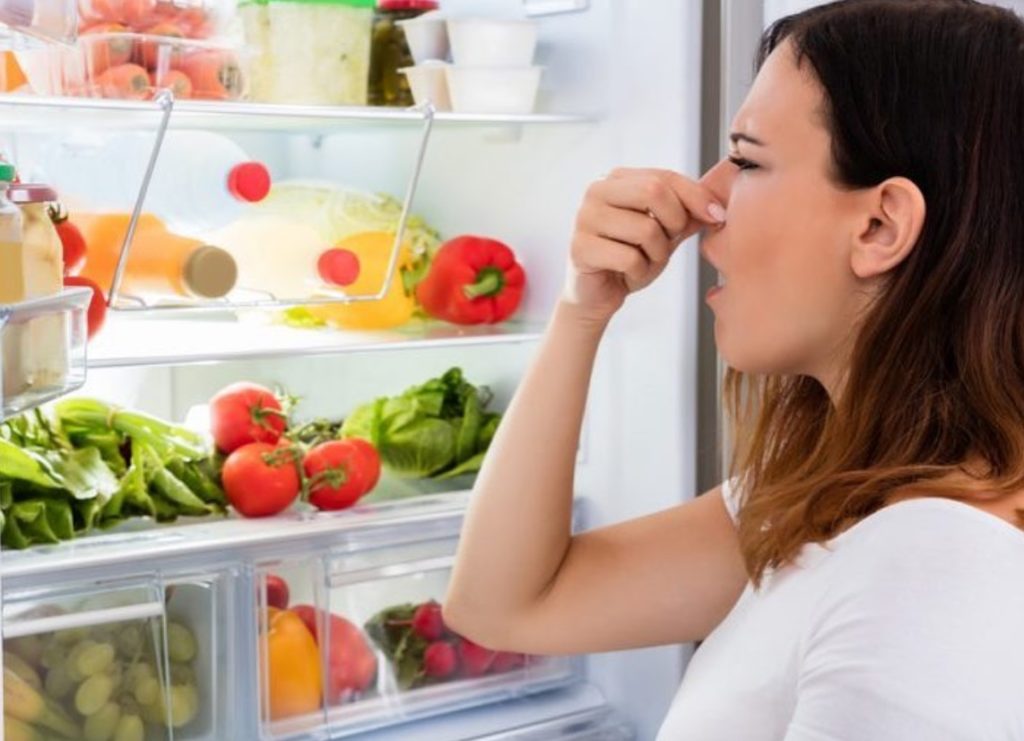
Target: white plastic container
<point x="495" y="91"/>
<point x="429" y="84"/>
<point x="427" y="36"/>
<point x="482" y="42"/>
<point x="202" y="180"/>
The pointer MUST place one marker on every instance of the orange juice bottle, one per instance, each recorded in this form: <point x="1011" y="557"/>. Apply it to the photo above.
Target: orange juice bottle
<point x="159" y="262"/>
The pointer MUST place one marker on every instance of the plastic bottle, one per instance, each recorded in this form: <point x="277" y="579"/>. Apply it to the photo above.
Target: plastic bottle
<point x="13" y="283"/>
<point x="202" y="180"/>
<point x="160" y="262"/>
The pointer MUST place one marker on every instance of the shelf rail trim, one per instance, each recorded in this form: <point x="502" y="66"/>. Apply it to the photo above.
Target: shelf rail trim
<point x="390" y="571"/>
<point x="19" y="628"/>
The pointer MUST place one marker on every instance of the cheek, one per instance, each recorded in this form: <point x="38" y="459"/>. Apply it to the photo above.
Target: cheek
<point x="787" y="279"/>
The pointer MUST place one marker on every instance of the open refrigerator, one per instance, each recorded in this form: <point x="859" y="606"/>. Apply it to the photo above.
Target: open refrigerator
<point x="622" y="85"/>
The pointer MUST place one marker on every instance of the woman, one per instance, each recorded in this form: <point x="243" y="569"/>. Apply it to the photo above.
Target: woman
<point x="862" y="574"/>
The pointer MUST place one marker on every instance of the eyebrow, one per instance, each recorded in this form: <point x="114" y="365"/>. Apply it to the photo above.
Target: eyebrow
<point x="737" y="137"/>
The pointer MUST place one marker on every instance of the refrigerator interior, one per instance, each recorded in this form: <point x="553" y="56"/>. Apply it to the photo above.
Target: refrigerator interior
<point x="634" y="71"/>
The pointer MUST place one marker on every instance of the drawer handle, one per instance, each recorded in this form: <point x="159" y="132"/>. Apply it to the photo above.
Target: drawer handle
<point x="391" y="571"/>
<point x="83" y="619"/>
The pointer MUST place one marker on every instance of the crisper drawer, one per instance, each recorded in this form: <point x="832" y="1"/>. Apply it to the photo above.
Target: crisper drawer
<point x="117" y="661"/>
<point x="385" y="655"/>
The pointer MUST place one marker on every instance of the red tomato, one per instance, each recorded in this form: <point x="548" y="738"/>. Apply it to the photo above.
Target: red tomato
<point x="261" y="479"/>
<point x="245" y="413"/>
<point x="97" y="312"/>
<point x="340" y="472"/>
<point x="353" y="666"/>
<point x="71" y="241"/>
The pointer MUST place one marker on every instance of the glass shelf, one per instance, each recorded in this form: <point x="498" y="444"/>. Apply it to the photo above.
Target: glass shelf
<point x="135" y="341"/>
<point x="22" y="110"/>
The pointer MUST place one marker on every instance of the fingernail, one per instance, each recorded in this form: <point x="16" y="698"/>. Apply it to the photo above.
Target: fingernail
<point x="716" y="212"/>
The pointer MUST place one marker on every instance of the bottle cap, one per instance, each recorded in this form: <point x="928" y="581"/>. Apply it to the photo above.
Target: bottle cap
<point x="7" y="172"/>
<point x="396" y="5"/>
<point x="249" y="181"/>
<point x="210" y="272"/>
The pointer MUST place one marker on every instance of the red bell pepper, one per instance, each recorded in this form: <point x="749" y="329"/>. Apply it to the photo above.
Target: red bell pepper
<point x="472" y="280"/>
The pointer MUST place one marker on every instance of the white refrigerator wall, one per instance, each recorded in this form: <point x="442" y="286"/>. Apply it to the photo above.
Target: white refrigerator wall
<point x="636" y="66"/>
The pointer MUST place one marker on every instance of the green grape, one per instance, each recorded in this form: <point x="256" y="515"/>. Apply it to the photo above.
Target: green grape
<point x="54" y="654"/>
<point x="184" y="704"/>
<point x="116" y="673"/>
<point x="147" y="691"/>
<point x="130" y="728"/>
<point x="181" y="644"/>
<point x="129" y="640"/>
<point x="57" y="683"/>
<point x="100" y="726"/>
<point x="137" y="672"/>
<point x="71" y="635"/>
<point x="72" y="658"/>
<point x="93" y="658"/>
<point x="93" y="693"/>
<point x="182" y="674"/>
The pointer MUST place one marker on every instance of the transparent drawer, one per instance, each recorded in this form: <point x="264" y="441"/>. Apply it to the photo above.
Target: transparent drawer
<point x="386" y="656"/>
<point x="132" y="661"/>
<point x="42" y="349"/>
<point x="193" y="19"/>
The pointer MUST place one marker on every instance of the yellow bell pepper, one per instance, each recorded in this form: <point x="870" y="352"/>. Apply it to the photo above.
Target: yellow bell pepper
<point x="293" y="665"/>
<point x="373" y="250"/>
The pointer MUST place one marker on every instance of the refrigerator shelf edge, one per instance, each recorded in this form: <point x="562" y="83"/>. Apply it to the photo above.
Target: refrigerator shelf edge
<point x="158" y="544"/>
<point x="130" y="342"/>
<point x="21" y="110"/>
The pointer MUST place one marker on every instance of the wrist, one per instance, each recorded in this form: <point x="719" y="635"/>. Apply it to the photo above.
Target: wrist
<point x="588" y="321"/>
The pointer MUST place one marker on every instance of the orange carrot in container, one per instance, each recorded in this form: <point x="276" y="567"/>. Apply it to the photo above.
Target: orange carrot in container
<point x="14" y="77"/>
<point x="174" y="80"/>
<point x="124" y="81"/>
<point x="216" y="75"/>
<point x="150" y="48"/>
<point x="111" y="47"/>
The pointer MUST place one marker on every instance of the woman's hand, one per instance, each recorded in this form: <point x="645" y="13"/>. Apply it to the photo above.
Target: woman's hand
<point x="627" y="228"/>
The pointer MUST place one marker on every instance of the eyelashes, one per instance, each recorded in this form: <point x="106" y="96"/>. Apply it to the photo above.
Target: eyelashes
<point x="742" y="163"/>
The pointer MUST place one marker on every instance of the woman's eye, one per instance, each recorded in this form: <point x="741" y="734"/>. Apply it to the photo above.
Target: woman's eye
<point x="742" y="163"/>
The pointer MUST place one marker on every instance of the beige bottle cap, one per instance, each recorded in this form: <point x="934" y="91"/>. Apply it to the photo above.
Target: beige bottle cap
<point x="210" y="272"/>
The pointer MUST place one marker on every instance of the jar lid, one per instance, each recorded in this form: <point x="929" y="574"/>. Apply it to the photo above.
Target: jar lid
<point x="31" y="193"/>
<point x="395" y="5"/>
<point x="7" y="172"/>
<point x="347" y="3"/>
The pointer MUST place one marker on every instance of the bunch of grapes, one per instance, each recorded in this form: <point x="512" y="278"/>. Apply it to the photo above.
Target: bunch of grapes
<point x="109" y="677"/>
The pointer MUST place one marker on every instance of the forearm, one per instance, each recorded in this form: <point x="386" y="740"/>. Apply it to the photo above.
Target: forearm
<point x="518" y="526"/>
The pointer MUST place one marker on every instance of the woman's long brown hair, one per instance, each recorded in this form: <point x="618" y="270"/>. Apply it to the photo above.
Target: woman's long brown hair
<point x="933" y="402"/>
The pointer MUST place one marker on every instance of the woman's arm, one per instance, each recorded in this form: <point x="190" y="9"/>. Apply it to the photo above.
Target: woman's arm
<point x="521" y="581"/>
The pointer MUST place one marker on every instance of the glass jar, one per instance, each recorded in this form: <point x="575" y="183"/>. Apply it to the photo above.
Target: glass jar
<point x="389" y="51"/>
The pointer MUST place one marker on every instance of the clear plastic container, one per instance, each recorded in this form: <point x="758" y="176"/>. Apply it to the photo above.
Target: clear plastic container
<point x="390" y="52"/>
<point x="190" y="19"/>
<point x="135" y="67"/>
<point x="385" y="655"/>
<point x="309" y="52"/>
<point x="54" y="20"/>
<point x="42" y="349"/>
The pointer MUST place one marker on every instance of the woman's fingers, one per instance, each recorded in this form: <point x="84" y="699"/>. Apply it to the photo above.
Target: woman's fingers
<point x="698" y="200"/>
<point x="596" y="254"/>
<point x="629" y="227"/>
<point x="649" y="196"/>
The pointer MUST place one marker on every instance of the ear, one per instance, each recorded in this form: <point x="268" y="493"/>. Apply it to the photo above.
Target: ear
<point x="894" y="217"/>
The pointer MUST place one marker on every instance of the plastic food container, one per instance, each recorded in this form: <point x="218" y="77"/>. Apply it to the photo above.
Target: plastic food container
<point x="309" y="52"/>
<point x="134" y="67"/>
<point x="429" y="84"/>
<point x="480" y="42"/>
<point x="54" y="20"/>
<point x="427" y="37"/>
<point x="486" y="90"/>
<point x="190" y="19"/>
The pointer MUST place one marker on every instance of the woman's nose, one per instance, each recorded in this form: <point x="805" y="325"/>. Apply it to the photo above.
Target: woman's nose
<point x="719" y="180"/>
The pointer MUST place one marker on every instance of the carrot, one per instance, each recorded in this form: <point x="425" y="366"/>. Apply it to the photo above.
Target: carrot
<point x="124" y="81"/>
<point x="99" y="11"/>
<point x="138" y="14"/>
<point x="216" y="75"/>
<point x="111" y="48"/>
<point x="174" y="80"/>
<point x="149" y="49"/>
<point x="14" y="77"/>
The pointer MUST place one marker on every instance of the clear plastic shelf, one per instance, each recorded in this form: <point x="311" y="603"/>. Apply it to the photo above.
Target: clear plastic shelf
<point x="42" y="349"/>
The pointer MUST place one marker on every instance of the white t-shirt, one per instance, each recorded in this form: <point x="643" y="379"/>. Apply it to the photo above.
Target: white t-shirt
<point x="908" y="626"/>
